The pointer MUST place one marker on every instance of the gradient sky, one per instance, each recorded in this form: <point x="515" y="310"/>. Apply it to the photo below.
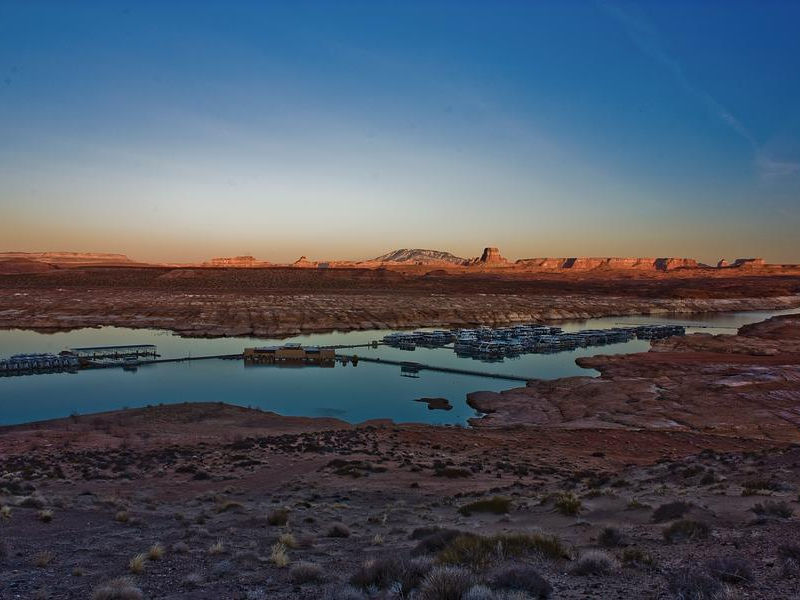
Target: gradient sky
<point x="185" y="130"/>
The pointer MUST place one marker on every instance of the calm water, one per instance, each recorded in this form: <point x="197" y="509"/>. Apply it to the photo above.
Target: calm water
<point x="354" y="394"/>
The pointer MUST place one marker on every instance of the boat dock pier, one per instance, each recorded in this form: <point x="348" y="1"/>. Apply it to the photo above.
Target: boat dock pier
<point x="412" y="367"/>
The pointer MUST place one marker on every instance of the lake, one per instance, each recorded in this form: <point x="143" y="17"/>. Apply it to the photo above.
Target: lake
<point x="353" y="394"/>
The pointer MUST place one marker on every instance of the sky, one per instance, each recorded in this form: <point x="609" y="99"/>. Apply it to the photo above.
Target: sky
<point x="179" y="131"/>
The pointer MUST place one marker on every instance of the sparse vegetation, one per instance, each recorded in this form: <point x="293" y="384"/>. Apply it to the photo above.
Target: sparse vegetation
<point x="773" y="509"/>
<point x="694" y="584"/>
<point x="122" y="516"/>
<point x="45" y="515"/>
<point x="288" y="540"/>
<point x="384" y="572"/>
<point x="136" y="564"/>
<point x="338" y="530"/>
<point x="594" y="562"/>
<point x="567" y="503"/>
<point x="685" y="529"/>
<point x="306" y="572"/>
<point x="120" y="588"/>
<point x="278" y="555"/>
<point x="155" y="552"/>
<point x="5" y="512"/>
<point x="42" y="559"/>
<point x="731" y="569"/>
<point x="217" y="547"/>
<point x="479" y="551"/>
<point x="611" y="537"/>
<point x="670" y="511"/>
<point x="636" y="557"/>
<point x="523" y="578"/>
<point x="278" y="517"/>
<point x="446" y="583"/>
<point x="497" y="505"/>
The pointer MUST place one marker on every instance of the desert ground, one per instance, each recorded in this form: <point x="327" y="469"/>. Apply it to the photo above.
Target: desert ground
<point x="672" y="475"/>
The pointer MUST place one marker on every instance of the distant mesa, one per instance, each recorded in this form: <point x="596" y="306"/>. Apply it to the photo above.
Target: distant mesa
<point x="69" y="259"/>
<point x="419" y="256"/>
<point x="491" y="257"/>
<point x="241" y="262"/>
<point x="304" y="263"/>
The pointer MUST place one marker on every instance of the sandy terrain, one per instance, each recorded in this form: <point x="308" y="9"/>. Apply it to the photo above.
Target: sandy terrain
<point x="708" y="503"/>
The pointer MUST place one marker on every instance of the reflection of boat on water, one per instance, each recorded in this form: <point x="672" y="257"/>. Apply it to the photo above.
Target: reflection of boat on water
<point x="130" y="363"/>
<point x="409" y="370"/>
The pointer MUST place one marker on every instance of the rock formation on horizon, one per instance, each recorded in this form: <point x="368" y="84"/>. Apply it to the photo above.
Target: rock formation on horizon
<point x="419" y="256"/>
<point x="241" y="262"/>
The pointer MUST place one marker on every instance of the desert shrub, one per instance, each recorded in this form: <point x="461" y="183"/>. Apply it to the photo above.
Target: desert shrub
<point x="217" y="547"/>
<point x="122" y="516"/>
<point x="306" y="572"/>
<point x="155" y="552"/>
<point x="524" y="578"/>
<point x="33" y="501"/>
<point x="278" y="517"/>
<point x="180" y="548"/>
<point x="789" y="560"/>
<point x="611" y="537"/>
<point x="136" y="564"/>
<point x="594" y="562"/>
<point x="497" y="505"/>
<point x="567" y="503"/>
<point x="386" y="572"/>
<point x="42" y="559"/>
<point x="693" y="584"/>
<point x="670" y="511"/>
<point x="288" y="540"/>
<point x="479" y="551"/>
<point x="731" y="569"/>
<point x="636" y="557"/>
<point x="121" y="588"/>
<point x="45" y="515"/>
<point x="338" y="530"/>
<point x="773" y="509"/>
<point x="227" y="505"/>
<point x="686" y="529"/>
<point x="278" y="555"/>
<point x="479" y="592"/>
<point x="435" y="540"/>
<point x="753" y="486"/>
<point x="446" y="583"/>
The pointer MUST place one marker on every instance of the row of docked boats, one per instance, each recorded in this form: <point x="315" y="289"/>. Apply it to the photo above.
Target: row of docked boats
<point x="497" y="342"/>
<point x="38" y="363"/>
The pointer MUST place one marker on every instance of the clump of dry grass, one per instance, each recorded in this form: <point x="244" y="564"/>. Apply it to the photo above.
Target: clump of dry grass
<point x="217" y="547"/>
<point x="121" y="588"/>
<point x="288" y="540"/>
<point x="445" y="583"/>
<point x="567" y="503"/>
<point x="279" y="556"/>
<point x="479" y="551"/>
<point x="122" y="516"/>
<point x="306" y="572"/>
<point x="42" y="559"/>
<point x="338" y="530"/>
<point x="155" y="552"/>
<point x="498" y="505"/>
<point x="5" y="512"/>
<point x="278" y="517"/>
<point x="594" y="562"/>
<point x="45" y="515"/>
<point x="136" y="564"/>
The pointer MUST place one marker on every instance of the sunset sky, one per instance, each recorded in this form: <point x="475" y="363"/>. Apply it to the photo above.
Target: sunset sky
<point x="185" y="130"/>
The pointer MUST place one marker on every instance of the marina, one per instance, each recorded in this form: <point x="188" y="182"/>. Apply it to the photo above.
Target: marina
<point x="384" y="385"/>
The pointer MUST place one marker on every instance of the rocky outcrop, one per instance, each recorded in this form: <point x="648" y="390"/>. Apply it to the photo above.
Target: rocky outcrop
<point x="614" y="263"/>
<point x="419" y="256"/>
<point x="23" y="265"/>
<point x="239" y="262"/>
<point x="749" y="262"/>
<point x="69" y="258"/>
<point x="304" y="263"/>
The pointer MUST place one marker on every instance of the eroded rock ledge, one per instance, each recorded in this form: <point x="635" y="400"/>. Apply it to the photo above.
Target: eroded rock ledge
<point x="734" y="385"/>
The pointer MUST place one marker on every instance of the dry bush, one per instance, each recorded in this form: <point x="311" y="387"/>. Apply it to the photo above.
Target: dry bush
<point x="120" y="588"/>
<point x="446" y="583"/>
<point x="670" y="511"/>
<point x="635" y="557"/>
<point x="567" y="503"/>
<point x="306" y="572"/>
<point x="45" y="515"/>
<point x="480" y="551"/>
<point x="278" y="517"/>
<point x="685" y="529"/>
<point x="279" y="556"/>
<point x="5" y="512"/>
<point x="345" y="592"/>
<point x="611" y="537"/>
<point x="731" y="569"/>
<point x="155" y="552"/>
<point x="216" y="548"/>
<point x="288" y="540"/>
<point x="594" y="562"/>
<point x="136" y="564"/>
<point x="523" y="578"/>
<point x="338" y="530"/>
<point x="773" y="509"/>
<point x="383" y="573"/>
<point x="433" y="539"/>
<point x="497" y="505"/>
<point x="694" y="584"/>
<point x="122" y="516"/>
<point x="180" y="548"/>
<point x="42" y="559"/>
